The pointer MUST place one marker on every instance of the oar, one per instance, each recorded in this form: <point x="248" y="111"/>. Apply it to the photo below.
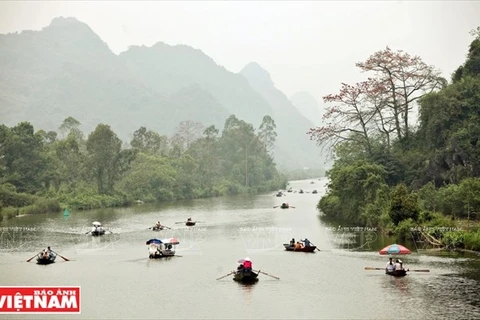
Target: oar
<point x="267" y="274"/>
<point x="181" y="222"/>
<point x="315" y="246"/>
<point x="276" y="206"/>
<point x="60" y="256"/>
<point x="88" y="232"/>
<point x="232" y="272"/>
<point x="408" y="270"/>
<point x="32" y="257"/>
<point x="290" y="206"/>
<point x="110" y="231"/>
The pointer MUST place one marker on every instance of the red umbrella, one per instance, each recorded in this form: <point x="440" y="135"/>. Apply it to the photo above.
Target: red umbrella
<point x="395" y="249"/>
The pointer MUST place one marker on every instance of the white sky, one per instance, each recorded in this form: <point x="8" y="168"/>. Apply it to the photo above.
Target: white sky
<point x="305" y="46"/>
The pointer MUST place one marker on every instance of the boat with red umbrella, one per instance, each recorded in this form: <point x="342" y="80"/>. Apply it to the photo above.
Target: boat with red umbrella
<point x="395" y="249"/>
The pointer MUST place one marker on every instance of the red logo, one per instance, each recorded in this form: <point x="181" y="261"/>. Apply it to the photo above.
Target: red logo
<point x="39" y="300"/>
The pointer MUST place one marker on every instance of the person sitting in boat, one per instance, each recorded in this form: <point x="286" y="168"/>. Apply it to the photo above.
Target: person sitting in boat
<point x="307" y="242"/>
<point x="398" y="265"/>
<point x="158" y="225"/>
<point x="390" y="266"/>
<point x="240" y="268"/>
<point x="247" y="264"/>
<point x="50" y="252"/>
<point x="292" y="242"/>
<point x="189" y="220"/>
<point x="298" y="245"/>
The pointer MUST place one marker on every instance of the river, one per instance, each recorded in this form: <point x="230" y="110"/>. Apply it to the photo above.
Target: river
<point x="118" y="281"/>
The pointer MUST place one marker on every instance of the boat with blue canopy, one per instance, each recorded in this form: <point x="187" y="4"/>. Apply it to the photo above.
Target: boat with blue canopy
<point x="161" y="248"/>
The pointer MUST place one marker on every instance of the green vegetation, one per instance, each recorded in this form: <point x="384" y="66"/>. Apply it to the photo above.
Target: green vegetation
<point x="405" y="176"/>
<point x="40" y="172"/>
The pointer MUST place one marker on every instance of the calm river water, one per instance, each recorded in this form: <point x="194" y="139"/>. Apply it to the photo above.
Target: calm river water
<point x="118" y="281"/>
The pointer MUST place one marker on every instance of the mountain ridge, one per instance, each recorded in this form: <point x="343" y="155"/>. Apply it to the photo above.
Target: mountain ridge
<point x="66" y="69"/>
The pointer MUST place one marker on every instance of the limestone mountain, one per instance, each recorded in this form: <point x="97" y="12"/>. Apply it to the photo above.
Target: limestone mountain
<point x="167" y="69"/>
<point x="291" y="124"/>
<point x="65" y="70"/>
<point x="308" y="106"/>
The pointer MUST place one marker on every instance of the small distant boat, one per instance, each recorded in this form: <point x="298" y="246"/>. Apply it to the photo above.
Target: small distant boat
<point x="245" y="276"/>
<point x="279" y="194"/>
<point x="289" y="190"/>
<point x="285" y="205"/>
<point x="397" y="273"/>
<point x="161" y="248"/>
<point x="190" y="223"/>
<point x="289" y="247"/>
<point x="46" y="259"/>
<point x="314" y="191"/>
<point x="301" y="191"/>
<point x="155" y="228"/>
<point x="97" y="229"/>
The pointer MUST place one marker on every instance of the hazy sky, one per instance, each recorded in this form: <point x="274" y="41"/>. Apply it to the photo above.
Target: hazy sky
<point x="306" y="46"/>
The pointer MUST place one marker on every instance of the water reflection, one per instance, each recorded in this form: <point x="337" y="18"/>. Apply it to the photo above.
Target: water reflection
<point x="247" y="290"/>
<point x="399" y="284"/>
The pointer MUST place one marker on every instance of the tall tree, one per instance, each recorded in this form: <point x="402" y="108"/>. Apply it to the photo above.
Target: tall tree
<point x="21" y="152"/>
<point x="406" y="79"/>
<point x="350" y="119"/>
<point x="187" y="132"/>
<point x="107" y="160"/>
<point x="150" y="142"/>
<point x="267" y="133"/>
<point x="71" y="125"/>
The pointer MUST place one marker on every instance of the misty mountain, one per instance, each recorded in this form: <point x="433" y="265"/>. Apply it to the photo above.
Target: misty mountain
<point x="65" y="70"/>
<point x="167" y="69"/>
<point x="308" y="106"/>
<point x="292" y="126"/>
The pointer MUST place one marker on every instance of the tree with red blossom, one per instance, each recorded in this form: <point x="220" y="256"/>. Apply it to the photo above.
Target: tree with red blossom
<point x="350" y="119"/>
<point x="406" y="79"/>
<point x="380" y="106"/>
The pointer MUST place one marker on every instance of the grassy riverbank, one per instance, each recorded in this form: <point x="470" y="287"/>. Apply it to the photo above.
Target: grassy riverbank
<point x="441" y="232"/>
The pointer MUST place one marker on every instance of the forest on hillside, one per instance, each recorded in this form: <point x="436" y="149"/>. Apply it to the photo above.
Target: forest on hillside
<point x="46" y="171"/>
<point x="406" y="148"/>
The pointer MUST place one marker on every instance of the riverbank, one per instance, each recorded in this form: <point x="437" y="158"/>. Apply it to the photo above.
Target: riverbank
<point x="458" y="234"/>
<point x="31" y="204"/>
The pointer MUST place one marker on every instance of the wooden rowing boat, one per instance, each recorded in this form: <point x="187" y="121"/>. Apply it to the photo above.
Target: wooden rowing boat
<point x="289" y="247"/>
<point x="190" y="223"/>
<point x="41" y="259"/>
<point x="397" y="273"/>
<point x="245" y="276"/>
